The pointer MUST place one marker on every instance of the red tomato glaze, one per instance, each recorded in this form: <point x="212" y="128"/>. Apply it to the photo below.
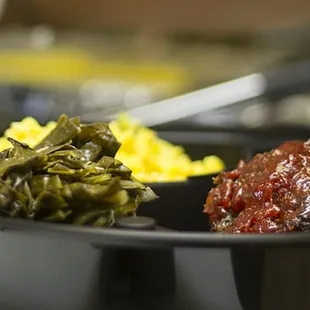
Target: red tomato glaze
<point x="271" y="193"/>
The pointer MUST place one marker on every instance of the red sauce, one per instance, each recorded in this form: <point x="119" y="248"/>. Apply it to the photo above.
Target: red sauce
<point x="271" y="193"/>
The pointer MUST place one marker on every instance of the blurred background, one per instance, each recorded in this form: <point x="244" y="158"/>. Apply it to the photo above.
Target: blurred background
<point x="97" y="57"/>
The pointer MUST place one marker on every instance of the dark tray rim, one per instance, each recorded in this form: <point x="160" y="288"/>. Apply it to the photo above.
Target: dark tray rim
<point x="102" y="237"/>
<point x="190" y="179"/>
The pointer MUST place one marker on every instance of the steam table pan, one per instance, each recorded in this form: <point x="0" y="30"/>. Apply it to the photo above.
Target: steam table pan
<point x="140" y="266"/>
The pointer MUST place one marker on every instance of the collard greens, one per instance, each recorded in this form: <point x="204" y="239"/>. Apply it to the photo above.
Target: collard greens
<point x="71" y="177"/>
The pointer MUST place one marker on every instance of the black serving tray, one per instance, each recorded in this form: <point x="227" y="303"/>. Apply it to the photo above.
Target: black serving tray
<point x="149" y="268"/>
<point x="159" y="237"/>
<point x="180" y="204"/>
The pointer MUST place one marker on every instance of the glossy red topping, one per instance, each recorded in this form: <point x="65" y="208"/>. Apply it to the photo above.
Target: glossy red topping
<point x="271" y="193"/>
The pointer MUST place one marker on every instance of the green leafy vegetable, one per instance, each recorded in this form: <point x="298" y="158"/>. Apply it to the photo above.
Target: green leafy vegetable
<point x="96" y="140"/>
<point x="64" y="132"/>
<point x="71" y="176"/>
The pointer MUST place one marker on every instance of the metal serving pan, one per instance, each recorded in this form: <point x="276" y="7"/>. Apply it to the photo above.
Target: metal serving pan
<point x="50" y="266"/>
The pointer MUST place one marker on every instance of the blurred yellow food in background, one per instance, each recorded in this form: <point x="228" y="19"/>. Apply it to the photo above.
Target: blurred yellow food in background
<point x="150" y="158"/>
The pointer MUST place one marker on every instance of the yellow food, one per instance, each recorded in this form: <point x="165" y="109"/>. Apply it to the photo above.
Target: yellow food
<point x="150" y="158"/>
<point x="155" y="160"/>
<point x="27" y="131"/>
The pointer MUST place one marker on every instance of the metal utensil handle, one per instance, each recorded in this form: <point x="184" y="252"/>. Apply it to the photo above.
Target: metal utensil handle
<point x="203" y="100"/>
